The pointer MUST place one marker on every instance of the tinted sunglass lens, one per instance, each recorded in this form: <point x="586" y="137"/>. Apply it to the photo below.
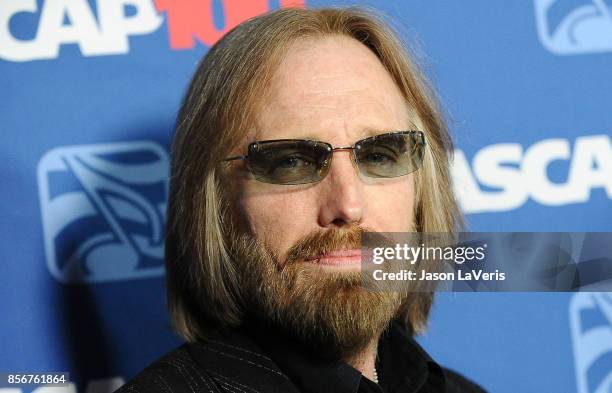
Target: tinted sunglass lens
<point x="390" y="155"/>
<point x="294" y="162"/>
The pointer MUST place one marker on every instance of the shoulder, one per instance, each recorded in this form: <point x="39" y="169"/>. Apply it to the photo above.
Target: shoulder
<point x="221" y="362"/>
<point x="457" y="383"/>
<point x="175" y="372"/>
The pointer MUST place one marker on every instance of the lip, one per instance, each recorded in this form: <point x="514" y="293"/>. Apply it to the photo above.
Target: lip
<point x="351" y="257"/>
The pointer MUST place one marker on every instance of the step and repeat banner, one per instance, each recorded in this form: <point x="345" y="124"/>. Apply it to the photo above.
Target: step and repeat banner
<point x="89" y="91"/>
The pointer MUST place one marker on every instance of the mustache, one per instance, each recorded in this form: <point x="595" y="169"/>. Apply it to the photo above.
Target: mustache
<point x="324" y="241"/>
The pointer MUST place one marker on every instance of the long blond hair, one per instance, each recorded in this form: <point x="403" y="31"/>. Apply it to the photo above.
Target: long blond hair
<point x="202" y="284"/>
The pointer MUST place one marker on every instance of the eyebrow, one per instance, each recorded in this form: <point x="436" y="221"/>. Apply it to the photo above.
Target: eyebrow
<point x="370" y="131"/>
<point x="364" y="132"/>
<point x="367" y="132"/>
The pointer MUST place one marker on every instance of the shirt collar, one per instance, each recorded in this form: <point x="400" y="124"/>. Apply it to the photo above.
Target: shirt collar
<point x="403" y="366"/>
<point x="310" y="373"/>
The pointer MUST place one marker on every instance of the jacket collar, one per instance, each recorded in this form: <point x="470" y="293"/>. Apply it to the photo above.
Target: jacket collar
<point x="231" y="357"/>
<point x="266" y="360"/>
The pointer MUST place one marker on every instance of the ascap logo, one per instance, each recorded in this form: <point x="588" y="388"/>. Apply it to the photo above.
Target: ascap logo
<point x="567" y="27"/>
<point x="103" y="211"/>
<point x="105" y="29"/>
<point x="516" y="174"/>
<point x="189" y="20"/>
<point x="590" y="316"/>
<point x="73" y="22"/>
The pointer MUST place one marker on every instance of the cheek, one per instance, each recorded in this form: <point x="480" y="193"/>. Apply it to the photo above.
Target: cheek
<point x="278" y="219"/>
<point x="393" y="205"/>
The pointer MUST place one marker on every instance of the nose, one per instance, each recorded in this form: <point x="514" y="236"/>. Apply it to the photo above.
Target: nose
<point x="341" y="194"/>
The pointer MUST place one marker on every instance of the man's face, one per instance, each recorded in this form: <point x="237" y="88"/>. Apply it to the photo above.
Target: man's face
<point x="333" y="90"/>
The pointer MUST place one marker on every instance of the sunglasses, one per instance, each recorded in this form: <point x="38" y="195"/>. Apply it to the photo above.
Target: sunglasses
<point x="302" y="161"/>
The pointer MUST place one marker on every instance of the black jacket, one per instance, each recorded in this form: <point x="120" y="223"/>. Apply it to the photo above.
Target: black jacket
<point x="258" y="360"/>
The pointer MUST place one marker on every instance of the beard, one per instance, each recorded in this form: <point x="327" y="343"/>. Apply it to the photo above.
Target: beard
<point x="330" y="312"/>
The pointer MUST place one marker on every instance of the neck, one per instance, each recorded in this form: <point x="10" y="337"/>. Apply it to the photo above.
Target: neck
<point x="365" y="361"/>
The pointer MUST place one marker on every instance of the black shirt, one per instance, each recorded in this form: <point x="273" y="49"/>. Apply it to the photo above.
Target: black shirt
<point x="402" y="366"/>
<point x="262" y="360"/>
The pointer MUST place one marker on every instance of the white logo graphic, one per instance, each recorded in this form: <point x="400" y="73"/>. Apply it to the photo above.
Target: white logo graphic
<point x="517" y="174"/>
<point x="103" y="211"/>
<point x="106" y="35"/>
<point x="590" y="317"/>
<point x="567" y="29"/>
<point x="103" y="27"/>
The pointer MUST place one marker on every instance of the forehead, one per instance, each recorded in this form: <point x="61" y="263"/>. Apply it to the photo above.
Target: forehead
<point x="332" y="88"/>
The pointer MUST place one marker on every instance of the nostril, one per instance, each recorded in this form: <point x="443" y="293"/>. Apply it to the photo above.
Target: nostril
<point x="339" y="222"/>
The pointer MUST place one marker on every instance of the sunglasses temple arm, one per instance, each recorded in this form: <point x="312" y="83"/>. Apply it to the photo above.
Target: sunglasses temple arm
<point x="235" y="158"/>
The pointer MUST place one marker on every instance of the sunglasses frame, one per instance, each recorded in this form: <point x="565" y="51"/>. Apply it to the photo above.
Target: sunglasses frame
<point x="419" y="137"/>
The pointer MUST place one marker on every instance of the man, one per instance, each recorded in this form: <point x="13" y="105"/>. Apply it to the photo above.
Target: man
<point x="301" y="130"/>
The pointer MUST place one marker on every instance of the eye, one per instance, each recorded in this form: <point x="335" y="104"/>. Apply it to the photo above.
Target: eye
<point x="292" y="162"/>
<point x="377" y="158"/>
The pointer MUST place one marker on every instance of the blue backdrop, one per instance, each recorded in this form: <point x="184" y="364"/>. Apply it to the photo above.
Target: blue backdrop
<point x="89" y="92"/>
